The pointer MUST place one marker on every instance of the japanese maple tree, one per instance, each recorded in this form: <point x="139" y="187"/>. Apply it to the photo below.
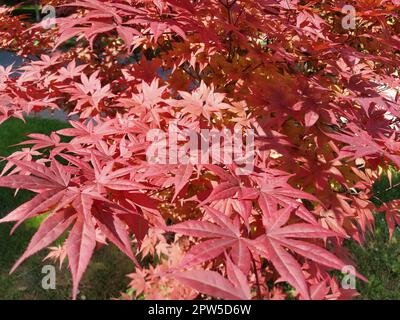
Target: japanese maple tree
<point x="315" y="94"/>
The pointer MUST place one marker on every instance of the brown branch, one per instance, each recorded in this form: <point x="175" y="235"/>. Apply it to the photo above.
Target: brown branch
<point x="259" y="295"/>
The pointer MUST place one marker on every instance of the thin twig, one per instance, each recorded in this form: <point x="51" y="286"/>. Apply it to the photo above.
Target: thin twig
<point x="259" y="295"/>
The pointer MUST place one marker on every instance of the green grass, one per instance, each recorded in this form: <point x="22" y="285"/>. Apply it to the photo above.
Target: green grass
<point x="379" y="259"/>
<point x="106" y="276"/>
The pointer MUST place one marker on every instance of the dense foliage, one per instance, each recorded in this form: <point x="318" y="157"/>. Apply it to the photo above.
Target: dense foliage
<point x="314" y="93"/>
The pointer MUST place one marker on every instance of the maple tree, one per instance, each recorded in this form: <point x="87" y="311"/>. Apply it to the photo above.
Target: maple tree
<point x="325" y="132"/>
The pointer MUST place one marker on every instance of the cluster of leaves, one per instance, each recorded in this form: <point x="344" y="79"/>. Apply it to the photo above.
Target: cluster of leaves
<point x="314" y="93"/>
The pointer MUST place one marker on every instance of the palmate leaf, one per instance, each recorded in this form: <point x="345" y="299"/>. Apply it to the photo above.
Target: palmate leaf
<point x="223" y="235"/>
<point x="50" y="183"/>
<point x="209" y="282"/>
<point x="115" y="230"/>
<point x="49" y="231"/>
<point x="212" y="283"/>
<point x="360" y="144"/>
<point x="277" y="239"/>
<point x="67" y="205"/>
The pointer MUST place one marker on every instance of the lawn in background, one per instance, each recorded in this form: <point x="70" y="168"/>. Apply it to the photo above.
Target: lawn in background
<point x="379" y="259"/>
